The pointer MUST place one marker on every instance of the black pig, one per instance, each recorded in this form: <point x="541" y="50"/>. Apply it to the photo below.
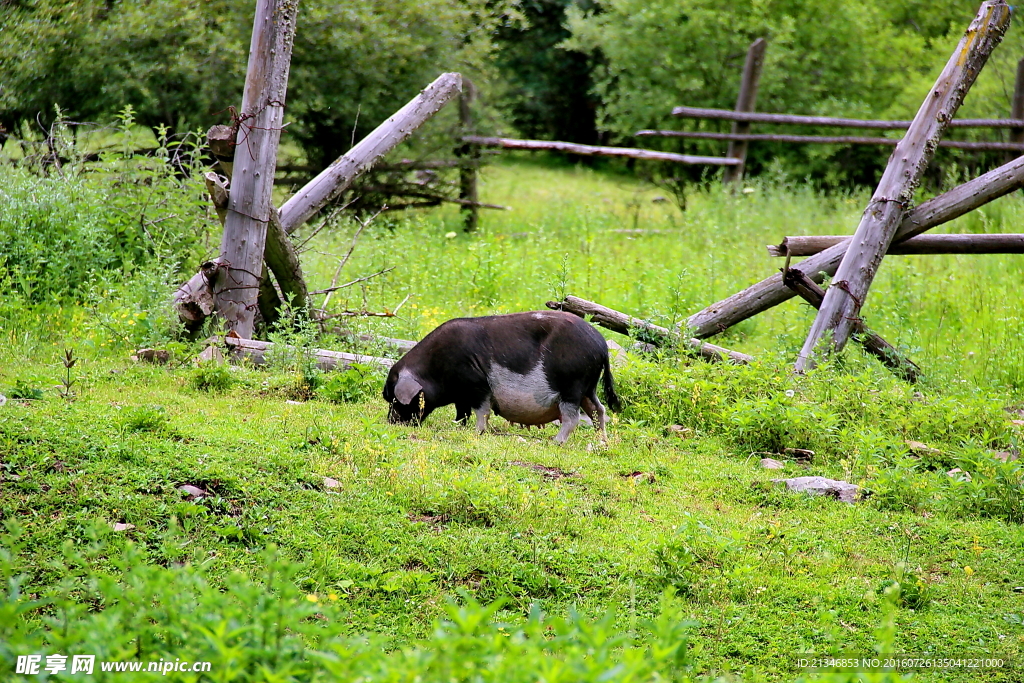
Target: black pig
<point x="530" y="368"/>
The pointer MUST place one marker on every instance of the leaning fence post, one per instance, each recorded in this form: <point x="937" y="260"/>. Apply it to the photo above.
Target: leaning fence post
<point x="840" y="310"/>
<point x="745" y="102"/>
<point x="468" y="155"/>
<point x="1017" y="110"/>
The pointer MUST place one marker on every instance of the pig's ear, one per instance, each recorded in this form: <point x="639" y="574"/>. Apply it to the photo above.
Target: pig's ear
<point x="406" y="389"/>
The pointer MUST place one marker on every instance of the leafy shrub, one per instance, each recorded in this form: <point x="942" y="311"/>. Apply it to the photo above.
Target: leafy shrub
<point x="212" y="376"/>
<point x="686" y="558"/>
<point x="144" y="419"/>
<point x="68" y="234"/>
<point x="355" y="383"/>
<point x="989" y="487"/>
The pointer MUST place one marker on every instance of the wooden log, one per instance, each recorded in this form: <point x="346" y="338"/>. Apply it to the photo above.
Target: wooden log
<point x="643" y="330"/>
<point x="828" y="140"/>
<point x="592" y="150"/>
<point x="1017" y="107"/>
<point x="193" y="301"/>
<point x="801" y="120"/>
<point x="336" y="178"/>
<point x="872" y="343"/>
<point x="808" y="245"/>
<point x="845" y="297"/>
<point x="471" y="152"/>
<point x="259" y="131"/>
<point x="744" y="103"/>
<point x="256" y="352"/>
<point x="221" y="141"/>
<point x="771" y="291"/>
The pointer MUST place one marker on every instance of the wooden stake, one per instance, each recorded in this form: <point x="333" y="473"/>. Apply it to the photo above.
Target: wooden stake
<point x="923" y="244"/>
<point x="845" y="297"/>
<point x="1017" y="107"/>
<point x="872" y="343"/>
<point x="771" y="291"/>
<point x="259" y="131"/>
<point x="469" y="151"/>
<point x="745" y="102"/>
<point x="336" y="178"/>
<point x="641" y="329"/>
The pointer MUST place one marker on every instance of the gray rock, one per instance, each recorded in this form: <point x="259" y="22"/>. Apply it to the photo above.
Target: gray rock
<point x="819" y="486"/>
<point x="771" y="464"/>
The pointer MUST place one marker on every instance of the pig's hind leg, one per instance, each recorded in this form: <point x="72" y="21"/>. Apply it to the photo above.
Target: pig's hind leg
<point x="593" y="408"/>
<point x="569" y="416"/>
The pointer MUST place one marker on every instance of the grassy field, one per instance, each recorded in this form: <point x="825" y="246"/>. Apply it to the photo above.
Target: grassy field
<point x="335" y="546"/>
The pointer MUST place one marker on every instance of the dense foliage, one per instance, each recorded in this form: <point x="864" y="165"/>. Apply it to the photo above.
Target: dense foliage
<point x="181" y="63"/>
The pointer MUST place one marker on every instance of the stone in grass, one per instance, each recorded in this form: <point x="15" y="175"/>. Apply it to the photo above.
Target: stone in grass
<point x="959" y="474"/>
<point x="194" y="492"/>
<point x="772" y="464"/>
<point x="120" y="526"/>
<point x="820" y="486"/>
<point x="331" y="483"/>
<point x="919" y="449"/>
<point x="3" y="399"/>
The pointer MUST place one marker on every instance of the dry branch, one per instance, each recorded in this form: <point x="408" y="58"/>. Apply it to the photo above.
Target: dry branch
<point x="591" y="150"/>
<point x="771" y="291"/>
<point x="922" y="244"/>
<point x="800" y="120"/>
<point x="826" y="139"/>
<point x="337" y="177"/>
<point x="641" y="329"/>
<point x="872" y="343"/>
<point x="845" y="297"/>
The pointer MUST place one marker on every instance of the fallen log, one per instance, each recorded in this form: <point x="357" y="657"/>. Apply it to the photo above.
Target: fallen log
<point x="801" y="120"/>
<point x="771" y="291"/>
<point x="809" y="245"/>
<point x="850" y="286"/>
<point x="592" y="150"/>
<point x="642" y="330"/>
<point x="256" y="352"/>
<point x="872" y="343"/>
<point x="824" y="139"/>
<point x="337" y="177"/>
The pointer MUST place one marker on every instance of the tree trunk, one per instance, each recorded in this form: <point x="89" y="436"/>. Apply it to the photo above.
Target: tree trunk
<point x="845" y="297"/>
<point x="259" y="131"/>
<point x="923" y="244"/>
<point x="771" y="291"/>
<point x="336" y="178"/>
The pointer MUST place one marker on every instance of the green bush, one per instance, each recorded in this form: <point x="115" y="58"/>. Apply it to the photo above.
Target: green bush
<point x="212" y="376"/>
<point x="68" y="235"/>
<point x="355" y="383"/>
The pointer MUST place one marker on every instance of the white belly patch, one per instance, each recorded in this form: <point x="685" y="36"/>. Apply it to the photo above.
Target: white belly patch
<point x="527" y="399"/>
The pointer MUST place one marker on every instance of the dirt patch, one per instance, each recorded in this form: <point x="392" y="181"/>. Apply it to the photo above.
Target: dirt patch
<point x="547" y="472"/>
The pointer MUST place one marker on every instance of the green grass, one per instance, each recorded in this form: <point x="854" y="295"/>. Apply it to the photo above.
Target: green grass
<point x="422" y="516"/>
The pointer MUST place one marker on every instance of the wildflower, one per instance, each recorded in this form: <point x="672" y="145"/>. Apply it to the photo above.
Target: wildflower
<point x="332" y="596"/>
<point x="968" y="571"/>
<point x="312" y="597"/>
